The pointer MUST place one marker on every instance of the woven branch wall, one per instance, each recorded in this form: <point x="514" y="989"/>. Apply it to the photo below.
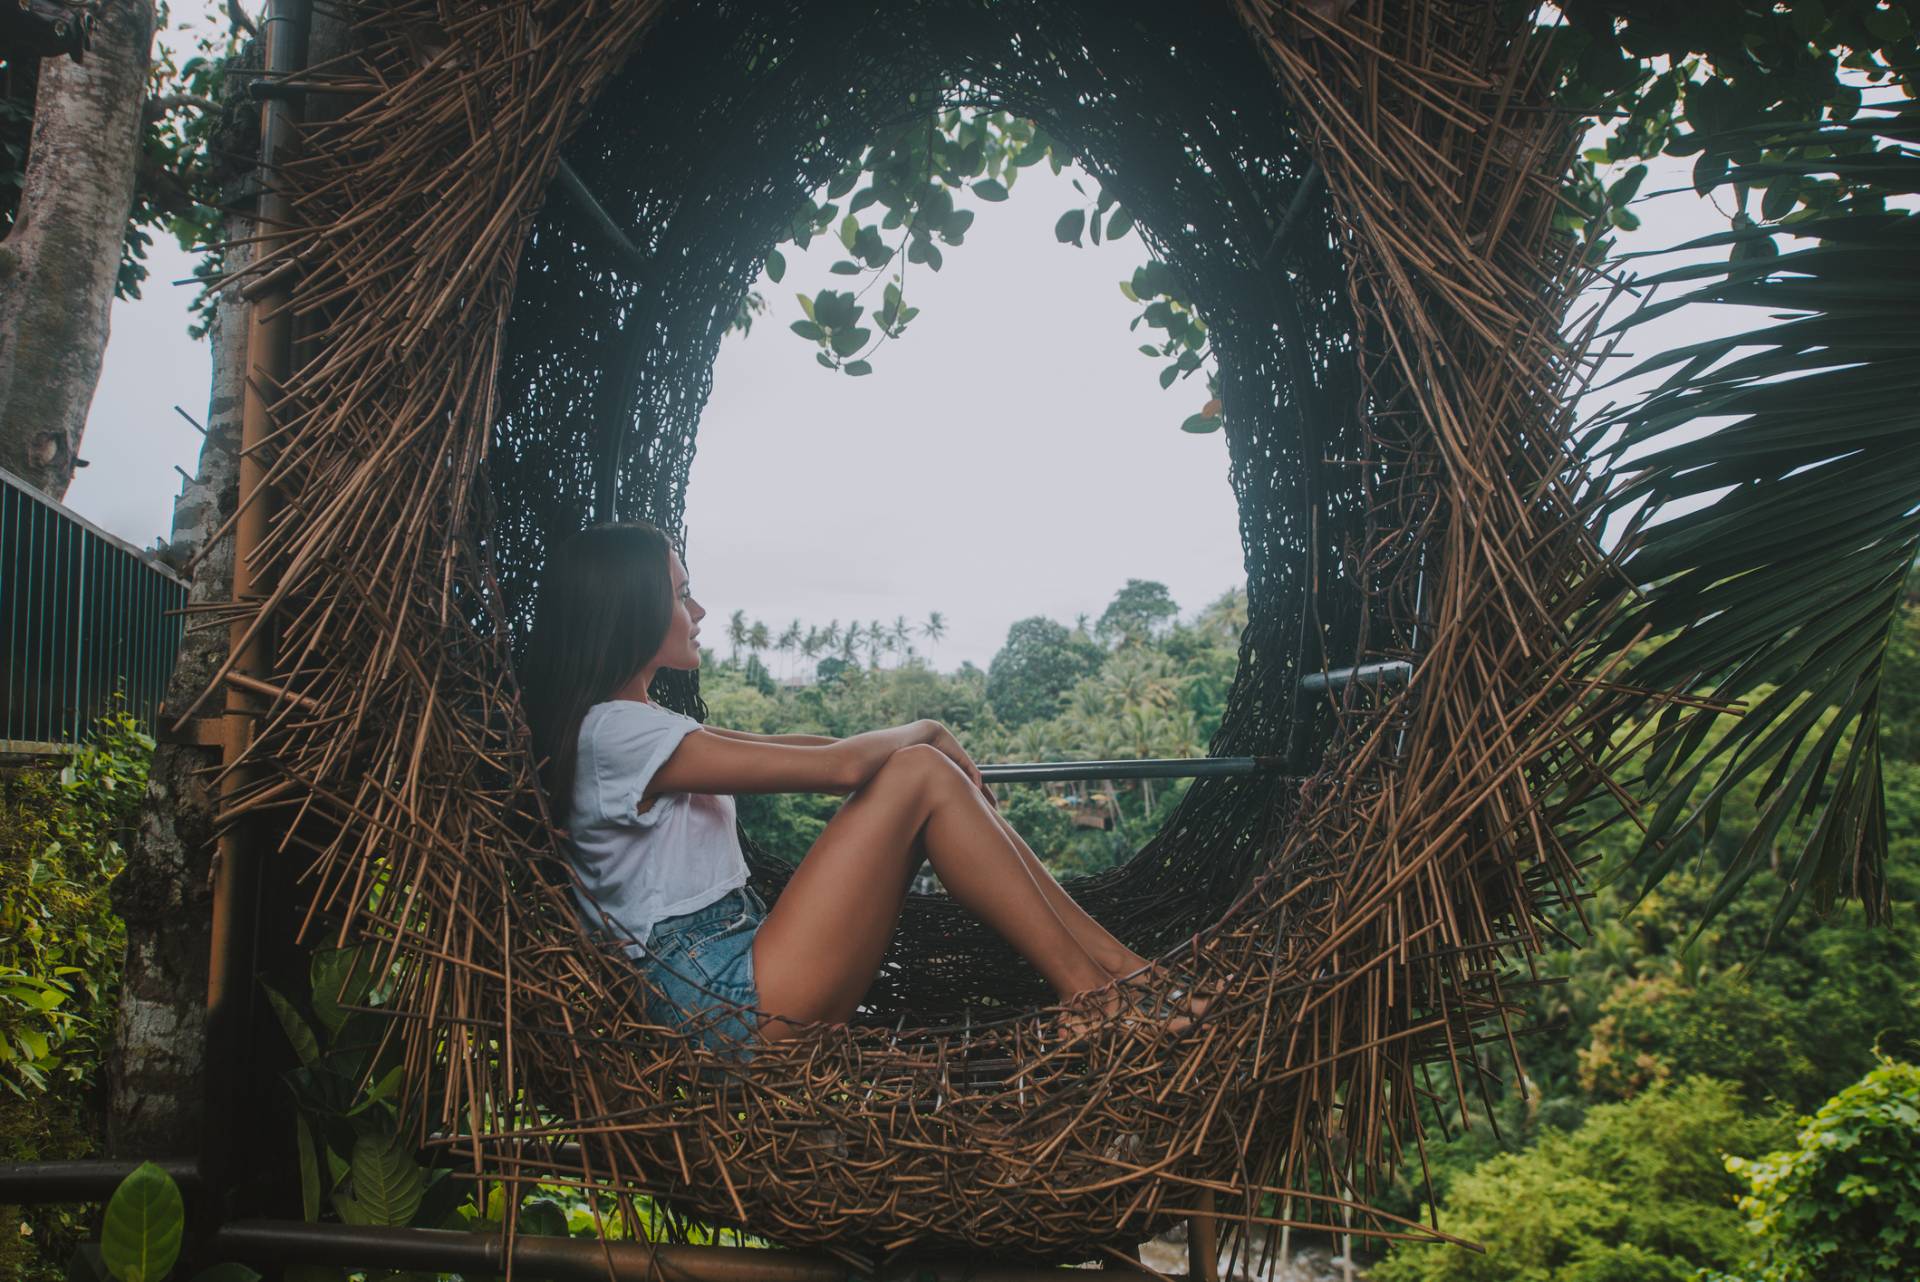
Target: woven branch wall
<point x="1394" y="378"/>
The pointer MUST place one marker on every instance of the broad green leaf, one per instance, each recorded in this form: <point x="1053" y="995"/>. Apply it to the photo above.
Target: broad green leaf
<point x="848" y="341"/>
<point x="305" y="1044"/>
<point x="340" y="977"/>
<point x="776" y="265"/>
<point x="310" y="1188"/>
<point x="376" y="1091"/>
<point x="1070" y="226"/>
<point x="1626" y="187"/>
<point x="543" y="1216"/>
<point x="990" y="189"/>
<point x="858" y="368"/>
<point x="808" y="330"/>
<point x="140" y="1236"/>
<point x="387" y="1183"/>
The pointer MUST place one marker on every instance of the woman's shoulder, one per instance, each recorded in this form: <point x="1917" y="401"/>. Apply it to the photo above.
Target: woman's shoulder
<point x="632" y="708"/>
<point x="622" y="726"/>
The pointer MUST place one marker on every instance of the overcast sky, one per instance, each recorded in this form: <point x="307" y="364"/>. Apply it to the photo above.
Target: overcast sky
<point x="1012" y="455"/>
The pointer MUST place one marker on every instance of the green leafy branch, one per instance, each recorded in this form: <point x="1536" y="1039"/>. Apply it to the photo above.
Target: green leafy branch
<point x="906" y="212"/>
<point x="1708" y="80"/>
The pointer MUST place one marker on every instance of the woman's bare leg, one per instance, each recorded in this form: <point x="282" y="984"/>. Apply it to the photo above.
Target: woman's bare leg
<point x="820" y="947"/>
<point x="1114" y="957"/>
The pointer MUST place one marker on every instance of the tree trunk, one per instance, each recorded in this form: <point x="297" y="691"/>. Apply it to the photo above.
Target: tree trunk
<point x="59" y="262"/>
<point x="165" y="892"/>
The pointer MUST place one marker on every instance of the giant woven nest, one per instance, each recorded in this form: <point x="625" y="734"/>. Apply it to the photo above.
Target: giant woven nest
<point x="1360" y="199"/>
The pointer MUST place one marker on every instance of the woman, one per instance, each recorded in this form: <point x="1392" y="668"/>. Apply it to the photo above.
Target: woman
<point x="648" y="798"/>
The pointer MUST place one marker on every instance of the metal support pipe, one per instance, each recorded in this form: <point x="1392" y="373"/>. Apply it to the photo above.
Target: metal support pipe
<point x="84" y="1180"/>
<point x="270" y="1242"/>
<point x="1391" y="672"/>
<point x="1142" y="768"/>
<point x="232" y="1078"/>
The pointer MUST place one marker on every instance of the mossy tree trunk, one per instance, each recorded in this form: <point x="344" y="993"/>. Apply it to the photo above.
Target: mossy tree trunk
<point x="59" y="261"/>
<point x="165" y="892"/>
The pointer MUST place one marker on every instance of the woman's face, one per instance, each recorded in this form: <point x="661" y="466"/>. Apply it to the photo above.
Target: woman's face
<point x="681" y="648"/>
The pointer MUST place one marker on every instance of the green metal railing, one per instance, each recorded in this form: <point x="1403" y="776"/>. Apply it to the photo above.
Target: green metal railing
<point x="82" y="614"/>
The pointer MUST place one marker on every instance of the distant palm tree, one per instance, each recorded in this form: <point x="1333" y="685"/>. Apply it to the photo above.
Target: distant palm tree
<point x="810" y="645"/>
<point x="876" y="642"/>
<point x="934" y="628"/>
<point x="901" y="631"/>
<point x="788" y="643"/>
<point x="737" y="632"/>
<point x="1143" y="733"/>
<point x="1033" y="742"/>
<point x="1225" y="617"/>
<point x="1138" y="677"/>
<point x="850" y="640"/>
<point x="757" y="638"/>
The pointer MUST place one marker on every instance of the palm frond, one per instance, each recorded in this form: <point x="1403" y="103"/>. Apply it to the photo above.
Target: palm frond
<point x="1773" y="482"/>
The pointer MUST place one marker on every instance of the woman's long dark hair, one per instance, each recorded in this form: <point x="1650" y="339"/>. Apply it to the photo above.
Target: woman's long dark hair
<point x="606" y="601"/>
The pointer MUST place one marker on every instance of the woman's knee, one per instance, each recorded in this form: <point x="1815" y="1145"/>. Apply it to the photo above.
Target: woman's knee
<point x="920" y="765"/>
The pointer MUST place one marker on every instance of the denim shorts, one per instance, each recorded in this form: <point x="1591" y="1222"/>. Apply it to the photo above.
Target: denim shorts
<point x="703" y="960"/>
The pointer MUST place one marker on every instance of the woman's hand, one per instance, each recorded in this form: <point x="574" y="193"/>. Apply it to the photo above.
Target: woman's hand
<point x="942" y="738"/>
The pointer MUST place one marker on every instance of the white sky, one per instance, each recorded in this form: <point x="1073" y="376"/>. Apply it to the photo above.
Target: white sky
<point x="1011" y="455"/>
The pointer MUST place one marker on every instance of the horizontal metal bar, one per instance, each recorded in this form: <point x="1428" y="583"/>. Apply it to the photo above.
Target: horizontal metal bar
<point x="446" y="1250"/>
<point x="81" y="1180"/>
<point x="36" y="748"/>
<point x="1392" y="672"/>
<point x="1142" y="768"/>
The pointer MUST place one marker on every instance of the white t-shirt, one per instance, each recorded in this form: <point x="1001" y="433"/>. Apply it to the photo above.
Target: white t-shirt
<point x="681" y="855"/>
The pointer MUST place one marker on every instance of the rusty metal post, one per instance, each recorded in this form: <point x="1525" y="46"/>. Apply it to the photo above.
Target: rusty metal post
<point x="239" y="1101"/>
<point x="1203" y="1242"/>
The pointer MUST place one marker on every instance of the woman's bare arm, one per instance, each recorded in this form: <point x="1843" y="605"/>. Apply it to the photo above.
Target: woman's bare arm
<point x="801" y="740"/>
<point x="709" y="762"/>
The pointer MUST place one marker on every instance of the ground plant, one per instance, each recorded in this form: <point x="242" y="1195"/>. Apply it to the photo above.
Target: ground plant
<point x="64" y="827"/>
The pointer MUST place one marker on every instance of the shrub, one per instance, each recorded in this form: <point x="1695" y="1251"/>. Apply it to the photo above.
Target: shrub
<point x="62" y="835"/>
<point x="61" y="842"/>
<point x="1639" y="1191"/>
<point x="1844" y="1201"/>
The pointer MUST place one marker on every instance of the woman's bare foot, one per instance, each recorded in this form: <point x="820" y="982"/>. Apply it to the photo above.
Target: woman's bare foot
<point x="1133" y="998"/>
<point x="1154" y="982"/>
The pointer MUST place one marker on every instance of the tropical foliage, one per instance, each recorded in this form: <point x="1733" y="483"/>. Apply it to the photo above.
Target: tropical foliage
<point x="1844" y="1200"/>
<point x="63" y="833"/>
<point x="1637" y="1191"/>
<point x="1773" y="548"/>
<point x="1155" y="687"/>
<point x="901" y="209"/>
<point x="1751" y="1021"/>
